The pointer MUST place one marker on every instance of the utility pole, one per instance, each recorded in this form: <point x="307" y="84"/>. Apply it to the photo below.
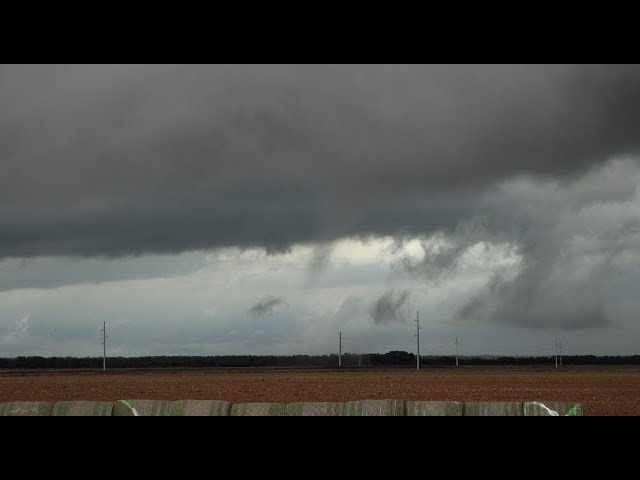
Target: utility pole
<point x="104" y="346"/>
<point x="418" y="337"/>
<point x="457" y="351"/>
<point x="556" y="353"/>
<point x="340" y="352"/>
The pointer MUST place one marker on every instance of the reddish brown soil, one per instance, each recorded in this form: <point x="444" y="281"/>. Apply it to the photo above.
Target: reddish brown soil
<point x="602" y="390"/>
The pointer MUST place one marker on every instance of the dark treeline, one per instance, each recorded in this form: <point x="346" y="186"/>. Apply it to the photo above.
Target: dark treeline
<point x="348" y="360"/>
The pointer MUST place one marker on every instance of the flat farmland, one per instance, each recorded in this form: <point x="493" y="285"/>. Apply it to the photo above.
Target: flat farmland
<point x="602" y="390"/>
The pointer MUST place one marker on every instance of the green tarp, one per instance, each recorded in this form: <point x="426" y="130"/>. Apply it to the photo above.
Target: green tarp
<point x="141" y="408"/>
<point x="434" y="409"/>
<point x="375" y="408"/>
<point x="259" y="410"/>
<point x="315" y="409"/>
<point x="199" y="408"/>
<point x="552" y="409"/>
<point x="25" y="409"/>
<point x="493" y="409"/>
<point x="82" y="409"/>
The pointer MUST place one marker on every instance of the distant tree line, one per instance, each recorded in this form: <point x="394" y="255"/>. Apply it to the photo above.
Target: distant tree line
<point x="348" y="360"/>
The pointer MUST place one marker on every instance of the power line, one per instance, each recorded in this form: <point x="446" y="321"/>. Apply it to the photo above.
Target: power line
<point x="515" y="350"/>
<point x="437" y="345"/>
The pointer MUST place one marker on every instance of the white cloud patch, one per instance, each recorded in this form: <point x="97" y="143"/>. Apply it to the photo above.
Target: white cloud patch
<point x="19" y="329"/>
<point x="204" y="309"/>
<point x="17" y="335"/>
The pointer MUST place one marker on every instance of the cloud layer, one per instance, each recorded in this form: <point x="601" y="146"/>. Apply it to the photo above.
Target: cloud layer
<point x="120" y="160"/>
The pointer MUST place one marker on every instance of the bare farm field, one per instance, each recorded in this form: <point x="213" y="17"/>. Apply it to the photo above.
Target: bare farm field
<point x="602" y="390"/>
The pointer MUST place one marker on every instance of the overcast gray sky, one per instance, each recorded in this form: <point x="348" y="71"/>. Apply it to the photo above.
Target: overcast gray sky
<point x="257" y="209"/>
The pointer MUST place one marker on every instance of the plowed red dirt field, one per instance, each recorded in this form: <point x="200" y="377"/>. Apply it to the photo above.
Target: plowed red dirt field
<point x="602" y="390"/>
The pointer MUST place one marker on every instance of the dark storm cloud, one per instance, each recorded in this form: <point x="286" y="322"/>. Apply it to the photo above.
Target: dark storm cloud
<point x="389" y="307"/>
<point x="119" y="160"/>
<point x="266" y="306"/>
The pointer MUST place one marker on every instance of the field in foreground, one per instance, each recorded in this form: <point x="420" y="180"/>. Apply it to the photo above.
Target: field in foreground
<point x="602" y="390"/>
